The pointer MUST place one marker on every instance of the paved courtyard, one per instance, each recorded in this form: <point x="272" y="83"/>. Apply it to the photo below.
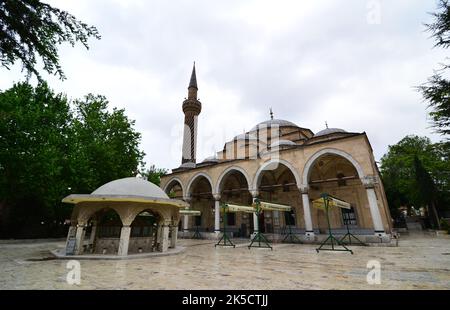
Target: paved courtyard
<point x="419" y="262"/>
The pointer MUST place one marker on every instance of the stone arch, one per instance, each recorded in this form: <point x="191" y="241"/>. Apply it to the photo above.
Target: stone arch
<point x="192" y="180"/>
<point x="265" y="166"/>
<point x="226" y="172"/>
<point x="171" y="182"/>
<point x="311" y="161"/>
<point x="86" y="213"/>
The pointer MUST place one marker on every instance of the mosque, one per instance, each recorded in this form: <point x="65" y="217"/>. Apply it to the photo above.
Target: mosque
<point x="280" y="162"/>
<point x="277" y="161"/>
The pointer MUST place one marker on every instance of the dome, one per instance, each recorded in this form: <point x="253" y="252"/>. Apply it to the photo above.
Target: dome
<point x="131" y="187"/>
<point x="283" y="143"/>
<point x="276" y="122"/>
<point x="187" y="165"/>
<point x="245" y="136"/>
<point x="210" y="159"/>
<point x="328" y="131"/>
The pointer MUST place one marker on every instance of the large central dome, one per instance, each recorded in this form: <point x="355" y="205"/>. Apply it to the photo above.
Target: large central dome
<point x="274" y="122"/>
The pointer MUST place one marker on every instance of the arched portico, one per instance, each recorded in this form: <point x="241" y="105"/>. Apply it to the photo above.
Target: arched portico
<point x="172" y="183"/>
<point x="226" y="172"/>
<point x="233" y="186"/>
<point x="360" y="178"/>
<point x="188" y="191"/>
<point x="272" y="165"/>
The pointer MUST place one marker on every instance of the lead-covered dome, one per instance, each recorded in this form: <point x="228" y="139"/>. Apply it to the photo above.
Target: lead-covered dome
<point x="281" y="143"/>
<point x="274" y="122"/>
<point x="131" y="187"/>
<point x="328" y="131"/>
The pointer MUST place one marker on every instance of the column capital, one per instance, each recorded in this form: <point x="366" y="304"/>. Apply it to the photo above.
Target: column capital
<point x="304" y="189"/>
<point x="369" y="181"/>
<point x="217" y="196"/>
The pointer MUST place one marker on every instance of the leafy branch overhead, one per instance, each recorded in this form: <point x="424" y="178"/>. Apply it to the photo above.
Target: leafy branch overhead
<point x="437" y="90"/>
<point x="32" y="30"/>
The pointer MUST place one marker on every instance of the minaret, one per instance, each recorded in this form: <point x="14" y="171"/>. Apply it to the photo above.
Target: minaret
<point x="191" y="108"/>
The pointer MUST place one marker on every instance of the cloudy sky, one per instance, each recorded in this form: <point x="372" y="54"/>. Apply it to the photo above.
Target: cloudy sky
<point x="352" y="63"/>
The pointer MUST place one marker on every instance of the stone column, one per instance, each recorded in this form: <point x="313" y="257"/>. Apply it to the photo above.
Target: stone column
<point x="174" y="234"/>
<point x="369" y="184"/>
<point x="185" y="223"/>
<point x="186" y="217"/>
<point x="124" y="240"/>
<point x="217" y="213"/>
<point x="71" y="233"/>
<point x="164" y="244"/>
<point x="93" y="232"/>
<point x="255" y="195"/>
<point x="309" y="231"/>
<point x="79" y="236"/>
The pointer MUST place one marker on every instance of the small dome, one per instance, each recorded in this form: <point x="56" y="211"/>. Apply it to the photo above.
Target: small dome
<point x="245" y="136"/>
<point x="283" y="143"/>
<point x="188" y="165"/>
<point x="210" y="159"/>
<point x="272" y="122"/>
<point x="131" y="187"/>
<point x="328" y="131"/>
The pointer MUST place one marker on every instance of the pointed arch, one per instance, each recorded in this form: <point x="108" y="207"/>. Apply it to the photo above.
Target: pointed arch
<point x="225" y="173"/>
<point x="191" y="181"/>
<point x="267" y="164"/>
<point x="171" y="181"/>
<point x="329" y="151"/>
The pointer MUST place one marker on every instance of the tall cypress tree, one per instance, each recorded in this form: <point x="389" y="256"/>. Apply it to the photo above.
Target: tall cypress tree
<point x="426" y="190"/>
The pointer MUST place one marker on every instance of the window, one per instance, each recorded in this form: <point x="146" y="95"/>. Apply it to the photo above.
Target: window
<point x="289" y="218"/>
<point x="349" y="217"/>
<point x="231" y="219"/>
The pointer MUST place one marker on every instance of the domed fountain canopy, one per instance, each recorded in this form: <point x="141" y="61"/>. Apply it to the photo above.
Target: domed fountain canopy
<point x="127" y="189"/>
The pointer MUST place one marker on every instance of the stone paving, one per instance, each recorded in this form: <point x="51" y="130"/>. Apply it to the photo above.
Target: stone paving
<point x="419" y="262"/>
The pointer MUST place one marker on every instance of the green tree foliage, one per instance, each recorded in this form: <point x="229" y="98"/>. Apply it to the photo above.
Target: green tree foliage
<point x="50" y="147"/>
<point x="426" y="189"/>
<point x="416" y="172"/>
<point x="154" y="174"/>
<point x="31" y="30"/>
<point x="437" y="91"/>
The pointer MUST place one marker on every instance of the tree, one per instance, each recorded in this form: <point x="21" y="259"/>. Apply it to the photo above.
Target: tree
<point x="437" y="90"/>
<point x="426" y="189"/>
<point x="30" y="29"/>
<point x="154" y="174"/>
<point x="49" y="150"/>
<point x="407" y="180"/>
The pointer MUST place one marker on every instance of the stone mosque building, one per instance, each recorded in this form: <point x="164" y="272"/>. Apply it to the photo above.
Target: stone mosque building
<point x="278" y="161"/>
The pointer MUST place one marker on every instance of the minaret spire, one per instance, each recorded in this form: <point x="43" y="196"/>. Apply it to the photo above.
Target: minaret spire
<point x="193" y="81"/>
<point x="191" y="108"/>
<point x="192" y="88"/>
